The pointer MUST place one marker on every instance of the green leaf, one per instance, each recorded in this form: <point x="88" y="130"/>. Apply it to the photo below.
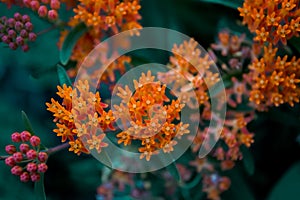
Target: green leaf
<point x="39" y="189"/>
<point x="27" y="123"/>
<point x="295" y="42"/>
<point x="63" y="76"/>
<point x="288" y="186"/>
<point x="173" y="170"/>
<point x="228" y="3"/>
<point x="248" y="160"/>
<point x="193" y="183"/>
<point x="70" y="42"/>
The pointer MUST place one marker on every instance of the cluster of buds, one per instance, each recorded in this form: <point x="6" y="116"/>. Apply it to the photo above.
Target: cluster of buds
<point x="17" y="31"/>
<point x="44" y="8"/>
<point x="27" y="162"/>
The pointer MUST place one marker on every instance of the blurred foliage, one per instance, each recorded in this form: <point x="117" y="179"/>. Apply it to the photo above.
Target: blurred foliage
<point x="275" y="151"/>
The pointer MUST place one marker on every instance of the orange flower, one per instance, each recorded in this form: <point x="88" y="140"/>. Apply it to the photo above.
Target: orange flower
<point x="80" y="116"/>
<point x="148" y="121"/>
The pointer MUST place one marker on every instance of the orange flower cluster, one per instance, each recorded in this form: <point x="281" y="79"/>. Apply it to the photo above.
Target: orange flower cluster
<point x="80" y="117"/>
<point x="150" y="121"/>
<point x="190" y="74"/>
<point x="109" y="15"/>
<point x="272" y="21"/>
<point x="103" y="18"/>
<point x="275" y="79"/>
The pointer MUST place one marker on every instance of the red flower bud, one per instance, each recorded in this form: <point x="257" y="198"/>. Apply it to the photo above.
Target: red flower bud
<point x="16" y="170"/>
<point x="25" y="136"/>
<point x="24" y="148"/>
<point x="24" y="177"/>
<point x="42" y="156"/>
<point x="52" y="14"/>
<point x="35" y="177"/>
<point x="43" y="11"/>
<point x="18" y="157"/>
<point x="10" y="149"/>
<point x="16" y="137"/>
<point x="35" y="141"/>
<point x="31" y="167"/>
<point x="31" y="154"/>
<point x="9" y="161"/>
<point x="42" y="168"/>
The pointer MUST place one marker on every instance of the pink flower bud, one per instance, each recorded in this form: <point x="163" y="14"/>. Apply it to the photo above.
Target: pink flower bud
<point x="11" y="33"/>
<point x="55" y="4"/>
<point x="42" y="156"/>
<point x="5" y="39"/>
<point x="10" y="149"/>
<point x="16" y="137"/>
<point x="27" y="3"/>
<point x="25" y="136"/>
<point x="28" y="26"/>
<point x="19" y="26"/>
<point x="31" y="167"/>
<point x="18" y="157"/>
<point x="25" y="47"/>
<point x="35" y="177"/>
<point x="42" y="168"/>
<point x="35" y="141"/>
<point x="24" y="148"/>
<point x="32" y="37"/>
<point x="25" y="18"/>
<point x="24" y="177"/>
<point x="34" y="5"/>
<point x="19" y="41"/>
<point x="18" y="16"/>
<point x="16" y="170"/>
<point x="13" y="45"/>
<point x="43" y="11"/>
<point x="31" y="154"/>
<point x="9" y="161"/>
<point x="24" y="33"/>
<point x="11" y="22"/>
<point x="52" y="14"/>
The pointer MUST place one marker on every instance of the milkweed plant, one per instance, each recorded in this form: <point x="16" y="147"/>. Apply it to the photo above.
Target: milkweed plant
<point x="255" y="53"/>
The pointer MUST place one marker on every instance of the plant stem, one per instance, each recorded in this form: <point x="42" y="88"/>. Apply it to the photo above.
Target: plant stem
<point x="57" y="148"/>
<point x="3" y="157"/>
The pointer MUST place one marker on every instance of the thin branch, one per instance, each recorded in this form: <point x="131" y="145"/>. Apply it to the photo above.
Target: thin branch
<point x="57" y="148"/>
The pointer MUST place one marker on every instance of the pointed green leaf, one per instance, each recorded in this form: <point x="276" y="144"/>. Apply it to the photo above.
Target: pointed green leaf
<point x="288" y="186"/>
<point x="228" y="3"/>
<point x="173" y="170"/>
<point x="193" y="183"/>
<point x="248" y="160"/>
<point x="70" y="42"/>
<point x="39" y="189"/>
<point x="27" y="123"/>
<point x="63" y="76"/>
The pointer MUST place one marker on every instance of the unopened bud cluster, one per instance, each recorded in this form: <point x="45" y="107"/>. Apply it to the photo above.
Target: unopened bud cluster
<point x="25" y="160"/>
<point x="44" y="8"/>
<point x="17" y="31"/>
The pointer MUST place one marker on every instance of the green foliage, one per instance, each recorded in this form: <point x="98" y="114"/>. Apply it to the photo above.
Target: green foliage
<point x="288" y="186"/>
<point x="63" y="76"/>
<point x="228" y="3"/>
<point x="27" y="123"/>
<point x="248" y="160"/>
<point x="70" y="42"/>
<point x="39" y="189"/>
